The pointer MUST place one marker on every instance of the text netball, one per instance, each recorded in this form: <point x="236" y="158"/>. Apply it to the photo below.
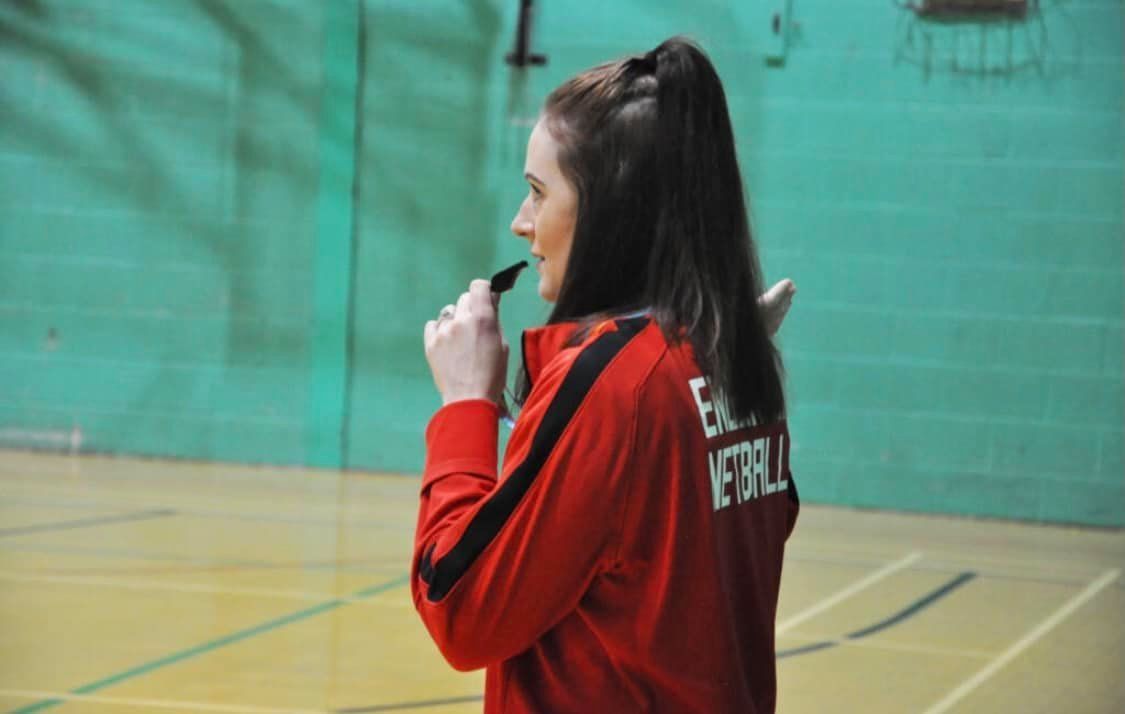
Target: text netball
<point x="744" y="465"/>
<point x="741" y="469"/>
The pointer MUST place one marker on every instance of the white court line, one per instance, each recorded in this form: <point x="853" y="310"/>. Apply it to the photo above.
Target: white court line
<point x="154" y="703"/>
<point x="179" y="587"/>
<point x="1026" y="641"/>
<point x="847" y="592"/>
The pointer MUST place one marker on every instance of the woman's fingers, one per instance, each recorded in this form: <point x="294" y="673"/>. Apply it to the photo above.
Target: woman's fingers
<point x="464" y="305"/>
<point x="465" y="348"/>
<point x="480" y="294"/>
<point x="775" y="303"/>
<point x="782" y="290"/>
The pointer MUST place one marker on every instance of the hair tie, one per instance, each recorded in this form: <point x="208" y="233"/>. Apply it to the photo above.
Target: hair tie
<point x="645" y="64"/>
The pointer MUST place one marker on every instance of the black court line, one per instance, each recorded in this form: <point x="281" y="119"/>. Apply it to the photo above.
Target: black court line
<point x="915" y="608"/>
<point x="805" y="649"/>
<point x="904" y="614"/>
<point x="409" y="705"/>
<point x="87" y="522"/>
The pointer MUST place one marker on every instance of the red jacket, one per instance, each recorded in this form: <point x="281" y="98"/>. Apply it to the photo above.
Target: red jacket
<point x="628" y="557"/>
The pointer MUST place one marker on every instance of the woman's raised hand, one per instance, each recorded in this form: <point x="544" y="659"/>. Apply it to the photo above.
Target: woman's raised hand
<point x="775" y="303"/>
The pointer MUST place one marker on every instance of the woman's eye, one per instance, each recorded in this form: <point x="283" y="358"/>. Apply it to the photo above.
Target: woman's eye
<point x="536" y="192"/>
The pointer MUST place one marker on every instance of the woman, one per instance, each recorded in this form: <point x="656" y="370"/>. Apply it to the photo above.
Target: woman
<point x="628" y="557"/>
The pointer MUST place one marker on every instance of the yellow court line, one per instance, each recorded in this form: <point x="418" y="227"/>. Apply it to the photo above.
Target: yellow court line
<point x="127" y="584"/>
<point x="958" y="559"/>
<point x="964" y="559"/>
<point x="837" y="548"/>
<point x="357" y="517"/>
<point x="1024" y="642"/>
<point x="97" y="500"/>
<point x="893" y="646"/>
<point x="1048" y="573"/>
<point x="154" y="703"/>
<point x="1045" y="575"/>
<point x="837" y="598"/>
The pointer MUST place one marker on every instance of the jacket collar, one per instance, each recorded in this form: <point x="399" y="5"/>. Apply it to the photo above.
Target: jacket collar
<point x="542" y="344"/>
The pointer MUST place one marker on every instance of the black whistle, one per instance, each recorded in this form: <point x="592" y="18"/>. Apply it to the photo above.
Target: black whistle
<point x="503" y="281"/>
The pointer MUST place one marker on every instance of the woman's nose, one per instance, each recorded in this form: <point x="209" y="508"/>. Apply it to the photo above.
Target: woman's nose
<point x="521" y="224"/>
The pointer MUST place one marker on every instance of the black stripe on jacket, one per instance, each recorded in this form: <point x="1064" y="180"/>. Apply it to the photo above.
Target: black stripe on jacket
<point x="591" y="362"/>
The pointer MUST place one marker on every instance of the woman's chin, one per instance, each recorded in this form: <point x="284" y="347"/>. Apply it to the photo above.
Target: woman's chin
<point x="547" y="291"/>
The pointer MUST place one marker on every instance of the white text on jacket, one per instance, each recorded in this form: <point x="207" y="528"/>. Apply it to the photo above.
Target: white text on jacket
<point x="743" y="468"/>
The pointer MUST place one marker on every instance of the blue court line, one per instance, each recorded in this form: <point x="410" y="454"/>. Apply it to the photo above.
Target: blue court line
<point x="904" y="614"/>
<point x="410" y="705"/>
<point x="87" y="522"/>
<point x="216" y="644"/>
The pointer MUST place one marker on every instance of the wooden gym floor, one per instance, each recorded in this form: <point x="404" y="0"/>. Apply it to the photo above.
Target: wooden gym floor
<point x="131" y="585"/>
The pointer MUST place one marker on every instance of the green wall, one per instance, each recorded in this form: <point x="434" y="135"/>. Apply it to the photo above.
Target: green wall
<point x="159" y="185"/>
<point x="222" y="226"/>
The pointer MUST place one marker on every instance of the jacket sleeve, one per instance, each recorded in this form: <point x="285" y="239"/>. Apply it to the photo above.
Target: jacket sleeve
<point x="498" y="562"/>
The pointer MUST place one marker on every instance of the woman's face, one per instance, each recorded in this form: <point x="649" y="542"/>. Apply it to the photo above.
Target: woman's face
<point x="547" y="216"/>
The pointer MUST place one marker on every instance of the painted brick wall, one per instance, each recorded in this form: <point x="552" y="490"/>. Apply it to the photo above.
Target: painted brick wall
<point x="158" y="181"/>
<point x="949" y="197"/>
<point x="426" y="209"/>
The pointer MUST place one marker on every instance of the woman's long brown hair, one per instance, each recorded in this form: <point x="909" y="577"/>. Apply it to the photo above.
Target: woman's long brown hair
<point x="662" y="220"/>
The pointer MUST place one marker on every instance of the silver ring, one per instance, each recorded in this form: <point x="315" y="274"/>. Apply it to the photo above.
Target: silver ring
<point x="446" y="313"/>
